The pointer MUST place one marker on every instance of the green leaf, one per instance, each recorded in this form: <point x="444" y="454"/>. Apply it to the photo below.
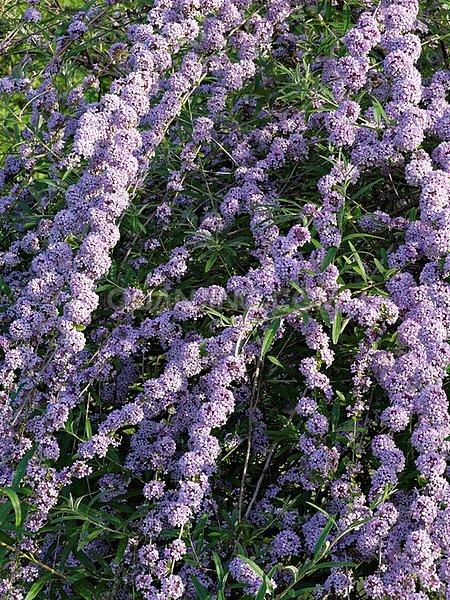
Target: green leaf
<point x="223" y="318"/>
<point x="21" y="468"/>
<point x="79" y="574"/>
<point x="379" y="112"/>
<point x="275" y="361"/>
<point x="87" y="429"/>
<point x="266" y="586"/>
<point x="122" y="546"/>
<point x="336" y="327"/>
<point x="84" y="588"/>
<point x="359" y="236"/>
<point x="4" y="288"/>
<point x="329" y="257"/>
<point x="336" y="411"/>
<point x="252" y="565"/>
<point x="325" y="316"/>
<point x="221" y="575"/>
<point x="359" y="262"/>
<point x="85" y="539"/>
<point x="269" y="335"/>
<point x="14" y="499"/>
<point x="6" y="539"/>
<point x="320" y="509"/>
<point x="303" y="592"/>
<point x="258" y="571"/>
<point x="262" y="591"/>
<point x="210" y="262"/>
<point x="297" y="288"/>
<point x="323" y="536"/>
<point x="4" y="513"/>
<point x="218" y="564"/>
<point x="37" y="587"/>
<point x="381" y="268"/>
<point x="202" y="592"/>
<point x="332" y="565"/>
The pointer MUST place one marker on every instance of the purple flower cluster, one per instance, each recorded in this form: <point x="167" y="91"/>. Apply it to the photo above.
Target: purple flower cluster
<point x="170" y="384"/>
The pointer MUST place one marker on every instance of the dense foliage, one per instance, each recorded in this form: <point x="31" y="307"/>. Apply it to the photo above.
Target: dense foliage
<point x="225" y="299"/>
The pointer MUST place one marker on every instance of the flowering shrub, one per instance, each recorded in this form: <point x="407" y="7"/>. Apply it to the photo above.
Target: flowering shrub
<point x="225" y="300"/>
